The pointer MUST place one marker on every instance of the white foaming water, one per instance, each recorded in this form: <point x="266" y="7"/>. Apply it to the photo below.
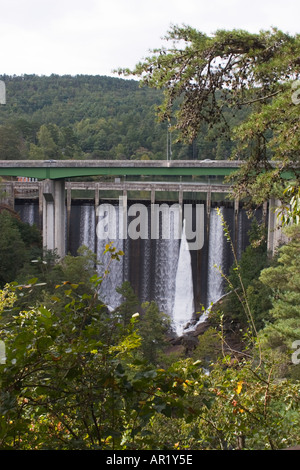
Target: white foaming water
<point x="184" y="292"/>
<point x="146" y="271"/>
<point x="166" y="259"/>
<point x="115" y="277"/>
<point x="28" y="213"/>
<point x="215" y="258"/>
<point x="87" y="226"/>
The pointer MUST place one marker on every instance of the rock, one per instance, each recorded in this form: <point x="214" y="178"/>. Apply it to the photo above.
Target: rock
<point x="200" y="328"/>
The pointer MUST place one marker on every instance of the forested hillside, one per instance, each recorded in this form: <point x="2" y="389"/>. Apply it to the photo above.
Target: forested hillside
<point x="92" y="117"/>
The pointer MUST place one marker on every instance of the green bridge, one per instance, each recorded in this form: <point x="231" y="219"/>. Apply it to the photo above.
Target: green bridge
<point x="58" y="169"/>
<point x="62" y="169"/>
<point x="53" y="175"/>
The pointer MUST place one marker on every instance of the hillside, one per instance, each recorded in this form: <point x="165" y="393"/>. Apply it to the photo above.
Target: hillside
<point x="91" y="117"/>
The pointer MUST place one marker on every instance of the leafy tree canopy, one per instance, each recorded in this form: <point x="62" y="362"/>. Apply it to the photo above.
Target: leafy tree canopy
<point x="203" y="76"/>
<point x="19" y="242"/>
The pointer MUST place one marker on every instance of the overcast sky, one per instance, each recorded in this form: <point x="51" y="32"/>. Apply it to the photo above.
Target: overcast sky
<point x="96" y="36"/>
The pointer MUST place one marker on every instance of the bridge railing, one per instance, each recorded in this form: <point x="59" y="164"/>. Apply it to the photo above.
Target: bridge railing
<point x="23" y="189"/>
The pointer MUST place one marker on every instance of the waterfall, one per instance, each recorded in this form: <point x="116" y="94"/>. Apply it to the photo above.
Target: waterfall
<point x="115" y="277"/>
<point x="171" y="262"/>
<point x="159" y="269"/>
<point x="146" y="271"/>
<point x="215" y="258"/>
<point x="27" y="213"/>
<point x="87" y="226"/>
<point x="184" y="291"/>
<point x="166" y="259"/>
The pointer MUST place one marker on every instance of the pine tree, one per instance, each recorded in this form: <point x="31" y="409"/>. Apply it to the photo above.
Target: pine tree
<point x="284" y="280"/>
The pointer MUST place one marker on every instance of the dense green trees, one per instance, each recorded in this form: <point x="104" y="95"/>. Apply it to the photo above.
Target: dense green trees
<point x="78" y="117"/>
<point x="253" y="260"/>
<point x="92" y="117"/>
<point x="283" y="281"/>
<point x="19" y="243"/>
<point x="75" y="378"/>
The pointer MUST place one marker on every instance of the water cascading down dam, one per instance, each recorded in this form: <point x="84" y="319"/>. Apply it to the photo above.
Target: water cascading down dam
<point x="161" y="269"/>
<point x="180" y="281"/>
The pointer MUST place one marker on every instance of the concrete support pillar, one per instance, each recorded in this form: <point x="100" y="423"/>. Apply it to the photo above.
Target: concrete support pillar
<point x="275" y="235"/>
<point x="54" y="216"/>
<point x="7" y="197"/>
<point x="69" y="205"/>
<point x="180" y="200"/>
<point x="236" y="223"/>
<point x="208" y="201"/>
<point x="180" y="196"/>
<point x="97" y="203"/>
<point x="208" y="208"/>
<point x="152" y="195"/>
<point x="97" y="197"/>
<point x="123" y="215"/>
<point x="41" y="204"/>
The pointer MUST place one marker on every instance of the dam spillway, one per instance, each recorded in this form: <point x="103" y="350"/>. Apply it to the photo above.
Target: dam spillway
<point x="158" y="269"/>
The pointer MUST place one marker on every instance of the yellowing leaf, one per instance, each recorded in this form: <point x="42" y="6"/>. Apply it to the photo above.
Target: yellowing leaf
<point x="239" y="387"/>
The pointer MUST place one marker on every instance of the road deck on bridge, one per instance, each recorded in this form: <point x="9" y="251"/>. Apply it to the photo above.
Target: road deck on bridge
<point x="57" y="169"/>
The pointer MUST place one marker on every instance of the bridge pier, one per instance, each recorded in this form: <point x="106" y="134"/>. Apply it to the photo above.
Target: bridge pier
<point x="275" y="235"/>
<point x="7" y="194"/>
<point x="54" y="216"/>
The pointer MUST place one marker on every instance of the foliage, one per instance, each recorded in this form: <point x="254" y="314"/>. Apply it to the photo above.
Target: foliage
<point x="233" y="407"/>
<point x="153" y="329"/>
<point x="18" y="243"/>
<point x="253" y="260"/>
<point x="249" y="409"/>
<point x="209" y="347"/>
<point x="78" y="117"/>
<point x="130" y="303"/>
<point x="76" y="377"/>
<point x="56" y="367"/>
<point x="96" y="117"/>
<point x="71" y="381"/>
<point x="284" y="281"/>
<point x="290" y="212"/>
<point x="202" y="76"/>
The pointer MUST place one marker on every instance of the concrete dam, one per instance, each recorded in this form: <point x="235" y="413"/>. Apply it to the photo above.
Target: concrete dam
<point x="181" y="276"/>
<point x="180" y="280"/>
